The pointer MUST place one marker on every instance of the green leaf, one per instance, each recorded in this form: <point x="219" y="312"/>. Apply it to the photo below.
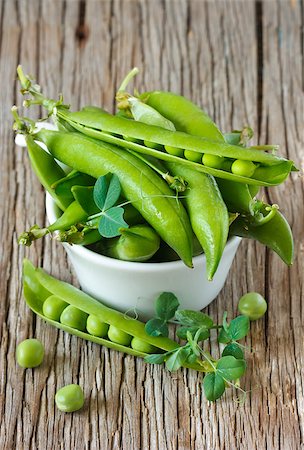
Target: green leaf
<point x="166" y="305"/>
<point x="239" y="327"/>
<point x="84" y="196"/>
<point x="204" y="333"/>
<point x="223" y="337"/>
<point x="156" y="327"/>
<point x="106" y="193"/>
<point x="192" y="358"/>
<point x="230" y="368"/>
<point x="236" y="330"/>
<point x="111" y="221"/>
<point x="178" y="358"/>
<point x="155" y="358"/>
<point x="214" y="386"/>
<point x="233" y="349"/>
<point x="193" y="318"/>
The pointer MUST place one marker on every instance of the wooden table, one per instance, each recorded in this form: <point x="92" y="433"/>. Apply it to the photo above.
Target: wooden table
<point x="241" y="60"/>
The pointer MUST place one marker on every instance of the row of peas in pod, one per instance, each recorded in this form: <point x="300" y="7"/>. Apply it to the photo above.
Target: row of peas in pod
<point x="71" y="310"/>
<point x="157" y="181"/>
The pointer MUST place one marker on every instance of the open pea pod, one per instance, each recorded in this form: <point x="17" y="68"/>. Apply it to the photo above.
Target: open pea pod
<point x="275" y="234"/>
<point x="35" y="294"/>
<point x="99" y="124"/>
<point x="38" y="286"/>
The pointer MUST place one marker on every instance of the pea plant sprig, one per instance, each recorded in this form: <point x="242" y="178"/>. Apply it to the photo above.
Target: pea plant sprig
<point x="194" y="327"/>
<point x="106" y="193"/>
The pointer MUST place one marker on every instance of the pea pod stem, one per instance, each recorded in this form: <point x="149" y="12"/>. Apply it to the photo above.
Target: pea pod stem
<point x="127" y="79"/>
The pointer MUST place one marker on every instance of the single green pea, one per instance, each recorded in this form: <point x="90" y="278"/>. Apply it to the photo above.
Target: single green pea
<point x="96" y="327"/>
<point x="243" y="168"/>
<point x="175" y="151"/>
<point x="119" y="336"/>
<point x="214" y="161"/>
<point x="252" y="305"/>
<point x="53" y="307"/>
<point x="30" y="353"/>
<point x="153" y="145"/>
<point x="142" y="346"/>
<point x="69" y="398"/>
<point x="74" y="318"/>
<point x="132" y="139"/>
<point x="193" y="156"/>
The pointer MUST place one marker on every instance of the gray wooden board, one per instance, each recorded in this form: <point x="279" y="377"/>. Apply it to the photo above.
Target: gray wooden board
<point x="242" y="61"/>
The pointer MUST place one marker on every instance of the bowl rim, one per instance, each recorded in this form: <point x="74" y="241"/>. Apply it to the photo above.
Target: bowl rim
<point x="97" y="258"/>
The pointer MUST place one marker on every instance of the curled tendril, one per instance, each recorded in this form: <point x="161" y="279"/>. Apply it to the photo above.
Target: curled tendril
<point x="261" y="213"/>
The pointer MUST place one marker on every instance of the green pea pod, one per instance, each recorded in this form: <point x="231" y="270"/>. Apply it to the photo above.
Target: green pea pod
<point x="121" y="126"/>
<point x="207" y="211"/>
<point x="73" y="215"/>
<point x="208" y="214"/>
<point x="84" y="196"/>
<point x="138" y="243"/>
<point x="185" y="115"/>
<point x="63" y="186"/>
<point x="275" y="234"/>
<point x="147" y="192"/>
<point x="106" y="127"/>
<point x="237" y="196"/>
<point x="132" y="215"/>
<point x="39" y="286"/>
<point x="274" y="170"/>
<point x="195" y="121"/>
<point x="47" y="170"/>
<point x="254" y="190"/>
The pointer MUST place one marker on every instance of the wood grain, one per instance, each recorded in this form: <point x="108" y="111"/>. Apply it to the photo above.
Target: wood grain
<point x="243" y="62"/>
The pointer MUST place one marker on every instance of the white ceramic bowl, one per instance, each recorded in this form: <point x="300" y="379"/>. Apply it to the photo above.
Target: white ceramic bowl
<point x="127" y="285"/>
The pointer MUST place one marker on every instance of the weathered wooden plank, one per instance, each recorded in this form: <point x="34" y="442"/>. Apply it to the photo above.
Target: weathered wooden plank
<point x="235" y="59"/>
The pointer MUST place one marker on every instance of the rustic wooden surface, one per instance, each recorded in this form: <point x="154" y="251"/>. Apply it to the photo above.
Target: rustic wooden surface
<point x="241" y="60"/>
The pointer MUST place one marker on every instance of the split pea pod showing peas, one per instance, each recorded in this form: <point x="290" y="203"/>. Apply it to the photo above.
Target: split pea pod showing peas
<point x="191" y="119"/>
<point x="87" y="318"/>
<point x="149" y="194"/>
<point x="270" y="169"/>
